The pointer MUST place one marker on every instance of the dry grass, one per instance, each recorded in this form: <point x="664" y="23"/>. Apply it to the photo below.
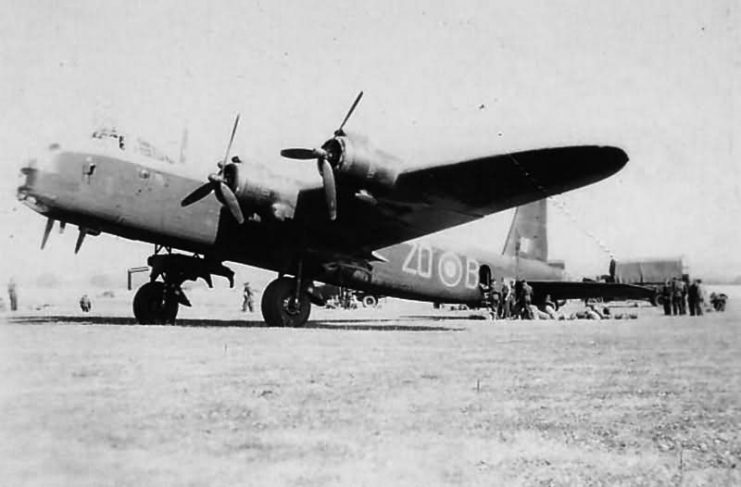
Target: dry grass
<point x="656" y="401"/>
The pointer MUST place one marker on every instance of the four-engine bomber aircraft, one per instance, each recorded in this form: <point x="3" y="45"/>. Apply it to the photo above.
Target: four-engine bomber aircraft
<point x="353" y="230"/>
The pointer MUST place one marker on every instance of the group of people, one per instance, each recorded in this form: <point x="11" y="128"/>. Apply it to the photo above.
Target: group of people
<point x="680" y="296"/>
<point x="513" y="300"/>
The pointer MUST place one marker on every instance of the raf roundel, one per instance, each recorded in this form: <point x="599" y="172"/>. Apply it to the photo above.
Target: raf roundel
<point x="450" y="269"/>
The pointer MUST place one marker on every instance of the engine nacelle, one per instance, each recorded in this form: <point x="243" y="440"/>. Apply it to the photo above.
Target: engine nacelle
<point x="355" y="160"/>
<point x="262" y="192"/>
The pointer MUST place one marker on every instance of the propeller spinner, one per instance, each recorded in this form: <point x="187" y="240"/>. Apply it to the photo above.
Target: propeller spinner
<point x="219" y="185"/>
<point x="326" y="161"/>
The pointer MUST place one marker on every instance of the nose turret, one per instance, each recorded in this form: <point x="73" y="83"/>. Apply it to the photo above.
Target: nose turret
<point x="28" y="170"/>
<point x="33" y="173"/>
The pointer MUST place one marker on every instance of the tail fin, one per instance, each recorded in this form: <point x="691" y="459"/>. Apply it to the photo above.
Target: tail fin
<point x="528" y="235"/>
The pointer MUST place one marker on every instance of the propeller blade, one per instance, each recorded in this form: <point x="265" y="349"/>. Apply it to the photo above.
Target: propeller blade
<point x="347" y="117"/>
<point x="231" y="202"/>
<point x="47" y="231"/>
<point x="303" y="154"/>
<point x="198" y="194"/>
<point x="330" y="192"/>
<point x="231" y="139"/>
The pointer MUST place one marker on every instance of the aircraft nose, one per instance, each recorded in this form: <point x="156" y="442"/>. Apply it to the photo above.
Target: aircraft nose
<point x="28" y="172"/>
<point x="34" y="168"/>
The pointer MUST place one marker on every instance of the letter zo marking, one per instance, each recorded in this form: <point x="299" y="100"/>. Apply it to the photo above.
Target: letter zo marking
<point x="422" y="264"/>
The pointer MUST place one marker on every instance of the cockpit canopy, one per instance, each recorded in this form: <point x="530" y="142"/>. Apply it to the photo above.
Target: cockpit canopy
<point x="131" y="144"/>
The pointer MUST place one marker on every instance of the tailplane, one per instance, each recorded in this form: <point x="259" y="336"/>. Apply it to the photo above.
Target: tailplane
<point x="528" y="236"/>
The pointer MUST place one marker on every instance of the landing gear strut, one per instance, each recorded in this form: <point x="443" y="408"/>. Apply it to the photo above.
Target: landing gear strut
<point x="158" y="302"/>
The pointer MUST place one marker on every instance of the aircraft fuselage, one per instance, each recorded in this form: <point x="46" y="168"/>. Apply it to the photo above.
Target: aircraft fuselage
<point x="139" y="200"/>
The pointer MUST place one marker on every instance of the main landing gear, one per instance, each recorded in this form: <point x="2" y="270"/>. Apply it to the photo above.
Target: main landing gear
<point x="282" y="305"/>
<point x="287" y="300"/>
<point x="157" y="302"/>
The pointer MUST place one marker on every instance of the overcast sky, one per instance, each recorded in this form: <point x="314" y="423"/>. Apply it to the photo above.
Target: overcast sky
<point x="442" y="80"/>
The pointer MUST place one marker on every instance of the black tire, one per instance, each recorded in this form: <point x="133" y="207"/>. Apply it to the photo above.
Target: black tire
<point x="151" y="307"/>
<point x="276" y="305"/>
<point x="370" y="301"/>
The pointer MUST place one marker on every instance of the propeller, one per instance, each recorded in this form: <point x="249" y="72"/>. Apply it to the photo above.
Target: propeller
<point x="326" y="161"/>
<point x="219" y="185"/>
<point x="339" y="131"/>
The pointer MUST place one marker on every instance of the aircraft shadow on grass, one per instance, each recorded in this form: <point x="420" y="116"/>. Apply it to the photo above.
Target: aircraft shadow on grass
<point x="385" y="324"/>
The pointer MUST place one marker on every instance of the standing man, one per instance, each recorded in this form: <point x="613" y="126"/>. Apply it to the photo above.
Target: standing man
<point x="85" y="303"/>
<point x="676" y="296"/>
<point x="683" y="287"/>
<point x="666" y="298"/>
<point x="13" y="295"/>
<point x="527" y="300"/>
<point x="504" y="303"/>
<point x="496" y="298"/>
<point x="246" y="297"/>
<point x="517" y="300"/>
<point x="699" y="298"/>
<point x="692" y="298"/>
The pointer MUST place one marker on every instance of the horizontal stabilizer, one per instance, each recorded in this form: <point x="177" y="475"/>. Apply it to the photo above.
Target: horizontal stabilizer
<point x="560" y="290"/>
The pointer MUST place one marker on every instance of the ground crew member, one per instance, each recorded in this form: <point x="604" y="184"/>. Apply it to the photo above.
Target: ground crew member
<point x="676" y="296"/>
<point x="550" y="307"/>
<point x="85" y="303"/>
<point x="718" y="301"/>
<point x="496" y="297"/>
<point x="246" y="297"/>
<point x="666" y="298"/>
<point x="592" y="313"/>
<point x="684" y="288"/>
<point x="527" y="301"/>
<point x="505" y="301"/>
<point x="692" y="298"/>
<point x="489" y="298"/>
<point x="699" y="298"/>
<point x="12" y="295"/>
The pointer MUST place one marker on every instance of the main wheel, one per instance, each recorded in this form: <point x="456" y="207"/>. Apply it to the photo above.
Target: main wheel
<point x="370" y="301"/>
<point x="152" y="306"/>
<point x="278" y="306"/>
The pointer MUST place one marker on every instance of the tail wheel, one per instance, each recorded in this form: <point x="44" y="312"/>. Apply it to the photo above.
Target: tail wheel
<point x="152" y="306"/>
<point x="370" y="301"/>
<point x="280" y="309"/>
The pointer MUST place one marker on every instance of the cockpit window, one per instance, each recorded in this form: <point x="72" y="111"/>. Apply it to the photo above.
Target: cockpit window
<point x="110" y="134"/>
<point x="148" y="150"/>
<point x="141" y="146"/>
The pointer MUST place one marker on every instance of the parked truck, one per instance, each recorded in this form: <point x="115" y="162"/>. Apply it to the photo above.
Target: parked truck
<point x="651" y="273"/>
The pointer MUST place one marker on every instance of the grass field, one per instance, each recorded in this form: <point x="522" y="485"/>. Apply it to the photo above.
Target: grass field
<point x="419" y="401"/>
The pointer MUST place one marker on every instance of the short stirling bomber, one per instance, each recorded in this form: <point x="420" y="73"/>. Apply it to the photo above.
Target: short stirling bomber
<point x="359" y="228"/>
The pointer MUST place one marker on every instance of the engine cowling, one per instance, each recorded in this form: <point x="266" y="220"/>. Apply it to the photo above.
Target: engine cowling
<point x="359" y="163"/>
<point x="261" y="192"/>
